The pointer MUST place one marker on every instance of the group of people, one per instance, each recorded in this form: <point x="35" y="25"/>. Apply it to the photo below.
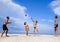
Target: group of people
<point x="27" y="26"/>
<point x="5" y="29"/>
<point x="6" y="21"/>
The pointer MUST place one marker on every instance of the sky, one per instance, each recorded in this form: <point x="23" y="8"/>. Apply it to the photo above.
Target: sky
<point x="43" y="11"/>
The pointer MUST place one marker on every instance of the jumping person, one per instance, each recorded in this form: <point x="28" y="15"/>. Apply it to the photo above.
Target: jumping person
<point x="35" y="25"/>
<point x="26" y="28"/>
<point x="56" y="25"/>
<point x="5" y="29"/>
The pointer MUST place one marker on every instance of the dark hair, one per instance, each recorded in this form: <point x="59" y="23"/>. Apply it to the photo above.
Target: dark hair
<point x="7" y="17"/>
<point x="24" y="23"/>
<point x="56" y="16"/>
<point x="36" y="21"/>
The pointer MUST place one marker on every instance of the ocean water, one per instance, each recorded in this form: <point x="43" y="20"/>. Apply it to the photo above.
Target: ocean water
<point x="43" y="33"/>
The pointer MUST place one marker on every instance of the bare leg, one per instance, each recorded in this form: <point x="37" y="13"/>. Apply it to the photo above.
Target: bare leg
<point x="37" y="29"/>
<point x="6" y="33"/>
<point x="34" y="30"/>
<point x="56" y="31"/>
<point x="27" y="33"/>
<point x="2" y="33"/>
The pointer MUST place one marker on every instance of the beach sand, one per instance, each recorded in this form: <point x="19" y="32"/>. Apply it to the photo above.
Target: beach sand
<point x="30" y="38"/>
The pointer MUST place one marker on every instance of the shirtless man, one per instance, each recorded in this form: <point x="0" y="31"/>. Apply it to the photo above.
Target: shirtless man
<point x="56" y="25"/>
<point x="35" y="26"/>
<point x="5" y="29"/>
<point x="26" y="28"/>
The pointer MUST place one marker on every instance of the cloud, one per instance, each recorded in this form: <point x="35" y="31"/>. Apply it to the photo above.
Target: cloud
<point x="55" y="5"/>
<point x="47" y="20"/>
<point x="15" y="11"/>
<point x="17" y="21"/>
<point x="45" y="26"/>
<point x="7" y="7"/>
<point x="51" y="21"/>
<point x="43" y="19"/>
<point x="17" y="15"/>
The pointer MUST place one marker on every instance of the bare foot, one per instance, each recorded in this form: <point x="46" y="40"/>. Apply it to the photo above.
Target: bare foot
<point x="7" y="36"/>
<point x="1" y="35"/>
<point x="55" y="35"/>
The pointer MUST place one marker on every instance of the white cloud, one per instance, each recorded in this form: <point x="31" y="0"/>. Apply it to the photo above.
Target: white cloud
<point x="55" y="5"/>
<point x="44" y="26"/>
<point x="17" y="21"/>
<point x="47" y="20"/>
<point x="43" y="19"/>
<point x="15" y="11"/>
<point x="7" y="7"/>
<point x="51" y="21"/>
<point x="57" y="10"/>
<point x="17" y="14"/>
